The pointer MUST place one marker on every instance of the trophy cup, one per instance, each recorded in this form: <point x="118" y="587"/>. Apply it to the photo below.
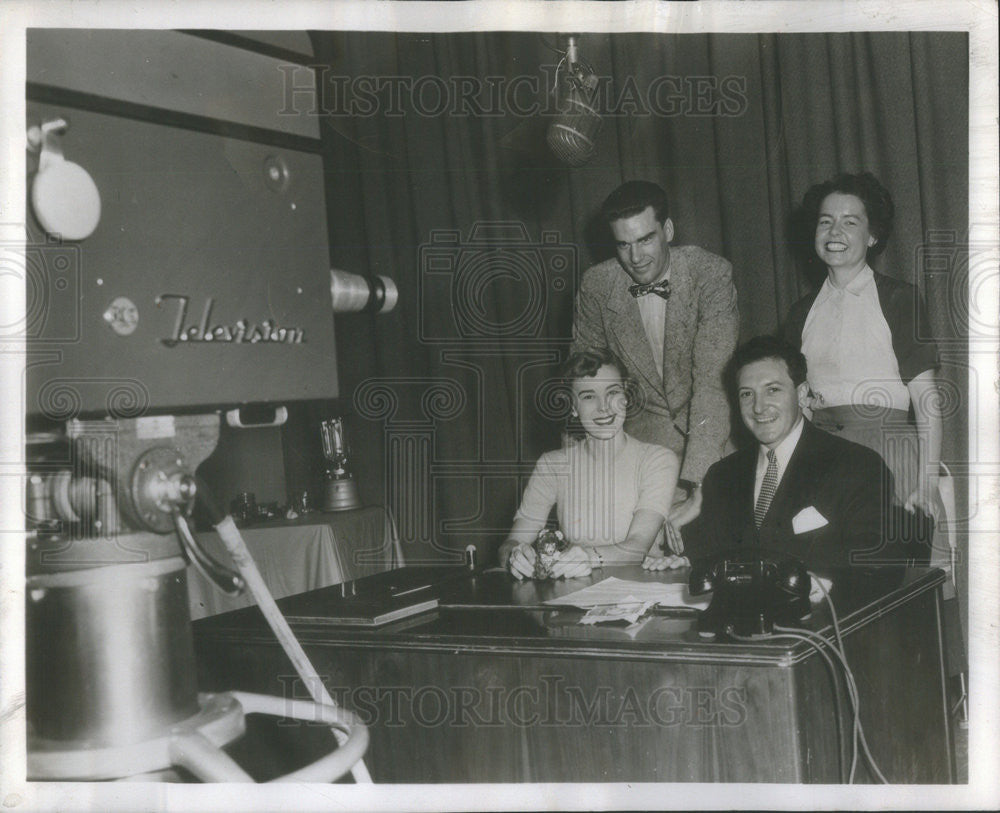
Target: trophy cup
<point x="340" y="492"/>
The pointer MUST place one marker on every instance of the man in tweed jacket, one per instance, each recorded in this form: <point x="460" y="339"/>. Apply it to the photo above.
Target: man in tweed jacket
<point x="675" y="339"/>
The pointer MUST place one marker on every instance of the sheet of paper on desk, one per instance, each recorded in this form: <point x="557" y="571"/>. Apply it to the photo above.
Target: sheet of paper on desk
<point x="612" y="591"/>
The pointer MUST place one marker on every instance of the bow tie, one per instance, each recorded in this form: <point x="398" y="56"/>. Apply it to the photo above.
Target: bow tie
<point x="661" y="289"/>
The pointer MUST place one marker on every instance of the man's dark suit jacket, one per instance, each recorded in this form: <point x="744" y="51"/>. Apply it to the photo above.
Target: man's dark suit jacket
<point x="847" y="484"/>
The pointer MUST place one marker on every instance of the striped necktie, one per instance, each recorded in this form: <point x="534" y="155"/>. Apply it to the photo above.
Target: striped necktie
<point x="767" y="488"/>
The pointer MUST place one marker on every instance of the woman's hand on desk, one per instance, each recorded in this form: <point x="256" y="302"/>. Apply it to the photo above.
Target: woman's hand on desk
<point x="666" y="562"/>
<point x="572" y="563"/>
<point x="521" y="563"/>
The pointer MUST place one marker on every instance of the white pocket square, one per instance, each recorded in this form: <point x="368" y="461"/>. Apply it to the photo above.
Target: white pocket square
<point x="808" y="519"/>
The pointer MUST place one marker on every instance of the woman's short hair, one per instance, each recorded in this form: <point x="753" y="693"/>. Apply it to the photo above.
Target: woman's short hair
<point x="864" y="186"/>
<point x="586" y="363"/>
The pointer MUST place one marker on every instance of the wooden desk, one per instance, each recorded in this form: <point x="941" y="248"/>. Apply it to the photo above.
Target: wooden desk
<point x="491" y="687"/>
<point x="294" y="556"/>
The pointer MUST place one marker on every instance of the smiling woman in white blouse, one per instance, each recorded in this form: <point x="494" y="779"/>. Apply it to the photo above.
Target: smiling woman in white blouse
<point x="872" y="381"/>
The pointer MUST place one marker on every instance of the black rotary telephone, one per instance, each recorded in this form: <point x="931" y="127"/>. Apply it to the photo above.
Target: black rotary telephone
<point x="752" y="591"/>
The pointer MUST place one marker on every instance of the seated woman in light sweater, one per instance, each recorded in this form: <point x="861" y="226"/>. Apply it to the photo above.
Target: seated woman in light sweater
<point x="611" y="492"/>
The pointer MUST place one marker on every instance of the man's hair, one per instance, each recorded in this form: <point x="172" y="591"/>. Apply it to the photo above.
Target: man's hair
<point x="632" y="198"/>
<point x="878" y="204"/>
<point x="768" y="347"/>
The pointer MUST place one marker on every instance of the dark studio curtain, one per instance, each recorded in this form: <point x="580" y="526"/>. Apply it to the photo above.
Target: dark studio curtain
<point x="448" y="398"/>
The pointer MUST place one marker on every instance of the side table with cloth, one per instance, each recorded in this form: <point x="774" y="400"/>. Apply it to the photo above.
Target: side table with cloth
<point x="295" y="555"/>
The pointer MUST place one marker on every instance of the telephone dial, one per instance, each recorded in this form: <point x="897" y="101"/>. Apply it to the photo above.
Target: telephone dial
<point x="751" y="592"/>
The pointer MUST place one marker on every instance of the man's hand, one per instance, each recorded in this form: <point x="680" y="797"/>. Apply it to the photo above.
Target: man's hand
<point x="926" y="499"/>
<point x="673" y="539"/>
<point x="571" y="563"/>
<point x="681" y="513"/>
<point x="667" y="562"/>
<point x="819" y="587"/>
<point x="522" y="561"/>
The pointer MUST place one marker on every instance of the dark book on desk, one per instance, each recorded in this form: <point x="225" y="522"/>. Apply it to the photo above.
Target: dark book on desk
<point x="358" y="611"/>
<point x="373" y="600"/>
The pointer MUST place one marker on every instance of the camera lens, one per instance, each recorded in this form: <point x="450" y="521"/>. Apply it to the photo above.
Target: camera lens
<point x="352" y="293"/>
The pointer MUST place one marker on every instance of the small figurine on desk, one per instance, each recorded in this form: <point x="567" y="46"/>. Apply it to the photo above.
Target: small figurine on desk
<point x="548" y="545"/>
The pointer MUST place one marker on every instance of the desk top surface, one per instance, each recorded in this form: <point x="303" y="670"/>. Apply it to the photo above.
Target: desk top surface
<point x="490" y="611"/>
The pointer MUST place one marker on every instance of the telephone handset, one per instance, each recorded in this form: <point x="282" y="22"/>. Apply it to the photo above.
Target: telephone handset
<point x="752" y="591"/>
